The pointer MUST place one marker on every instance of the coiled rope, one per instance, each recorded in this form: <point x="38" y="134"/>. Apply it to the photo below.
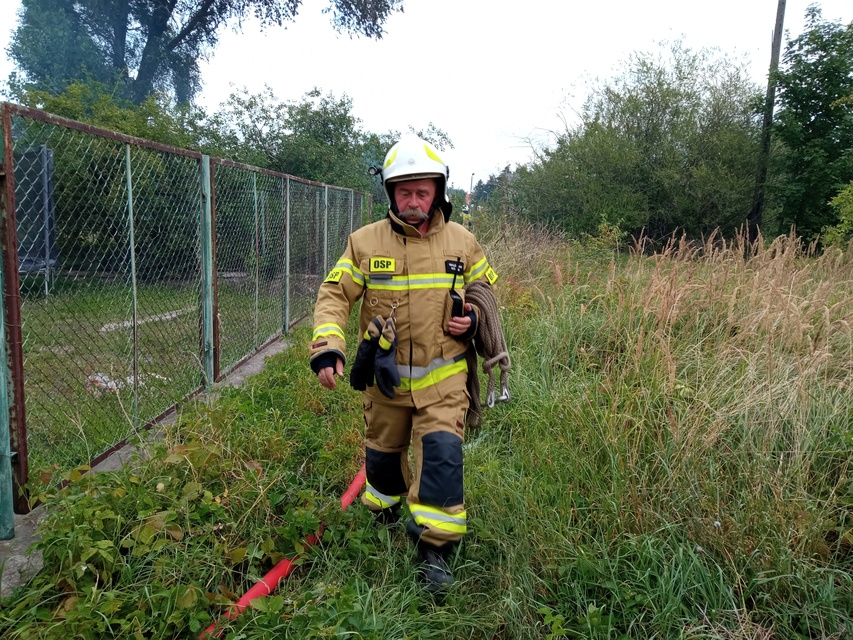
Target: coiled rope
<point x="488" y="343"/>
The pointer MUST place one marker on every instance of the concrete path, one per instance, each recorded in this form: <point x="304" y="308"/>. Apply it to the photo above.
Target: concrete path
<point x="16" y="566"/>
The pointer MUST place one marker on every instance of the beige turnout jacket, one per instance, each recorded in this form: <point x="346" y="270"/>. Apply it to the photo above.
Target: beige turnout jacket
<point x="395" y="271"/>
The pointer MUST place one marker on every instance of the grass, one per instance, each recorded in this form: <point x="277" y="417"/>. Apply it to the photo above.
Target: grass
<point x="675" y="463"/>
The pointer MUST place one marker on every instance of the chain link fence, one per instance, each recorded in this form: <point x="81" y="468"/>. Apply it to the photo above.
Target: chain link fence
<point x="136" y="274"/>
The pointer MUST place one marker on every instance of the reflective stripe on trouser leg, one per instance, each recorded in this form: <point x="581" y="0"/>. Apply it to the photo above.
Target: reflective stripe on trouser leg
<point x="436" y="496"/>
<point x="380" y="500"/>
<point x="438" y="519"/>
<point x="387" y="436"/>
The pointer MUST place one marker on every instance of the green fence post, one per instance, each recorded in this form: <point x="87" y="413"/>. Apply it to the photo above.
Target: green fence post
<point x="286" y="328"/>
<point x="207" y="273"/>
<point x="132" y="242"/>
<point x="7" y="490"/>
<point x="325" y="230"/>
<point x="257" y="340"/>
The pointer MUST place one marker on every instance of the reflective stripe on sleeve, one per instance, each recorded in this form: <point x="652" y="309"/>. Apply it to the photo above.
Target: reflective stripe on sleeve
<point x="347" y="266"/>
<point x="380" y="499"/>
<point x="455" y="523"/>
<point x="476" y="271"/>
<point x="330" y="329"/>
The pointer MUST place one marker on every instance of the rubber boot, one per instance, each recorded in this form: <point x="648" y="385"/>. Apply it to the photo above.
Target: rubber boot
<point x="433" y="568"/>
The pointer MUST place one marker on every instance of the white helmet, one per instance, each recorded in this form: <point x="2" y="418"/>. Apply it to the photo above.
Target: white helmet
<point x="413" y="159"/>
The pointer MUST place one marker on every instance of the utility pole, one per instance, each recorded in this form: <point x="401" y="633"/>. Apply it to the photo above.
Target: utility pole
<point x="754" y="219"/>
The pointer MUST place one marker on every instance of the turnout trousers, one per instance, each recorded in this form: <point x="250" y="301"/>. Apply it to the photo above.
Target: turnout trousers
<point x="434" y="433"/>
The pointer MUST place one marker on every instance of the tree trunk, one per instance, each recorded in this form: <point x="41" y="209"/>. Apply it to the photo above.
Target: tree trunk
<point x="152" y="54"/>
<point x="119" y="44"/>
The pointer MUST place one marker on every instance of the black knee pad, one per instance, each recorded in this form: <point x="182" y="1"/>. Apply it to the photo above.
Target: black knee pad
<point x="384" y="472"/>
<point x="441" y="471"/>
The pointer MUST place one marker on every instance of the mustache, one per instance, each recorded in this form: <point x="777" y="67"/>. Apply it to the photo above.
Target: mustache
<point x="414" y="213"/>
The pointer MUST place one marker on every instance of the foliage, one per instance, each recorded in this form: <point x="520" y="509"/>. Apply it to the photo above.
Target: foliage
<point x="52" y="46"/>
<point x="148" y="45"/>
<point x="842" y="232"/>
<point x="318" y="137"/>
<point x="156" y="118"/>
<point x="814" y="122"/>
<point x="670" y="144"/>
<point x="675" y="462"/>
<point x="158" y="548"/>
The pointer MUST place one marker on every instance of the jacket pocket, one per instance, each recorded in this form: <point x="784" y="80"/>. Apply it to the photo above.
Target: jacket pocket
<point x="385" y="284"/>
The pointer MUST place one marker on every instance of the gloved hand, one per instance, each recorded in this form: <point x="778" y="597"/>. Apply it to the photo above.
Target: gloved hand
<point x="361" y="374"/>
<point x="385" y="362"/>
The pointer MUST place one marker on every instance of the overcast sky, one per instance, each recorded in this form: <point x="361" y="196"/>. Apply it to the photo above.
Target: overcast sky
<point x="493" y="74"/>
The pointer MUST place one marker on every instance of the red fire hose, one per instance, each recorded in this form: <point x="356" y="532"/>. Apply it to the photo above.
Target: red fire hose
<point x="280" y="571"/>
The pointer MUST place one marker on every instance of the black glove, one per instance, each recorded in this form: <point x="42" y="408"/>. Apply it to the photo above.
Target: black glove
<point x="385" y="362"/>
<point x="361" y="374"/>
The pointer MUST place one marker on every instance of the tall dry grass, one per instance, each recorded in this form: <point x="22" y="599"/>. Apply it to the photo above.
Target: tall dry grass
<point x="701" y="394"/>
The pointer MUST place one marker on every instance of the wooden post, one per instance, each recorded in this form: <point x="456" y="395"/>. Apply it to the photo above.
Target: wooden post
<point x="754" y="219"/>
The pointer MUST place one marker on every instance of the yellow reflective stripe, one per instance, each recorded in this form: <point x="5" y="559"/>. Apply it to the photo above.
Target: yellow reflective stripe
<point x="419" y="281"/>
<point x="431" y="155"/>
<point x="454" y="523"/>
<point x="383" y="343"/>
<point x="380" y="499"/>
<point x="329" y="329"/>
<point x="357" y="275"/>
<point x="432" y="374"/>
<point x="391" y="157"/>
<point x="476" y="271"/>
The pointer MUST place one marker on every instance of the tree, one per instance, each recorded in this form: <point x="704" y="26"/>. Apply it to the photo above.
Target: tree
<point x="815" y="124"/>
<point x="144" y="45"/>
<point x="670" y="144"/>
<point x="317" y="137"/>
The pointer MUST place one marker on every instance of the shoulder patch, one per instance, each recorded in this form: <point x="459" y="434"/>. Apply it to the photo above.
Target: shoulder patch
<point x="334" y="276"/>
<point x="491" y="276"/>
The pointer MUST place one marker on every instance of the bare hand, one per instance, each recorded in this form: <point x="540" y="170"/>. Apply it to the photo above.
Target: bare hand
<point x="460" y="324"/>
<point x="327" y="376"/>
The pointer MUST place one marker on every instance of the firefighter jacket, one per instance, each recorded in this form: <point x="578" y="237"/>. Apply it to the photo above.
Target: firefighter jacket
<point x="395" y="271"/>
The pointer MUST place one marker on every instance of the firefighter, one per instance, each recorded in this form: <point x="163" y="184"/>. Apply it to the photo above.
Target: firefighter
<point x="466" y="217"/>
<point x="408" y="270"/>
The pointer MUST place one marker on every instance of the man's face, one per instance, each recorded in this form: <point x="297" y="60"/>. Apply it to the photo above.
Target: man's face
<point x="414" y="199"/>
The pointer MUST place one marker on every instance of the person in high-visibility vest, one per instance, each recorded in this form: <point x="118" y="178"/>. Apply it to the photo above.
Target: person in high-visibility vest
<point x="408" y="270"/>
<point x="466" y="217"/>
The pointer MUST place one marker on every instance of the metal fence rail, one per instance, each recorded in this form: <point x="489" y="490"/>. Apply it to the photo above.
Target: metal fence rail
<point x="135" y="275"/>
